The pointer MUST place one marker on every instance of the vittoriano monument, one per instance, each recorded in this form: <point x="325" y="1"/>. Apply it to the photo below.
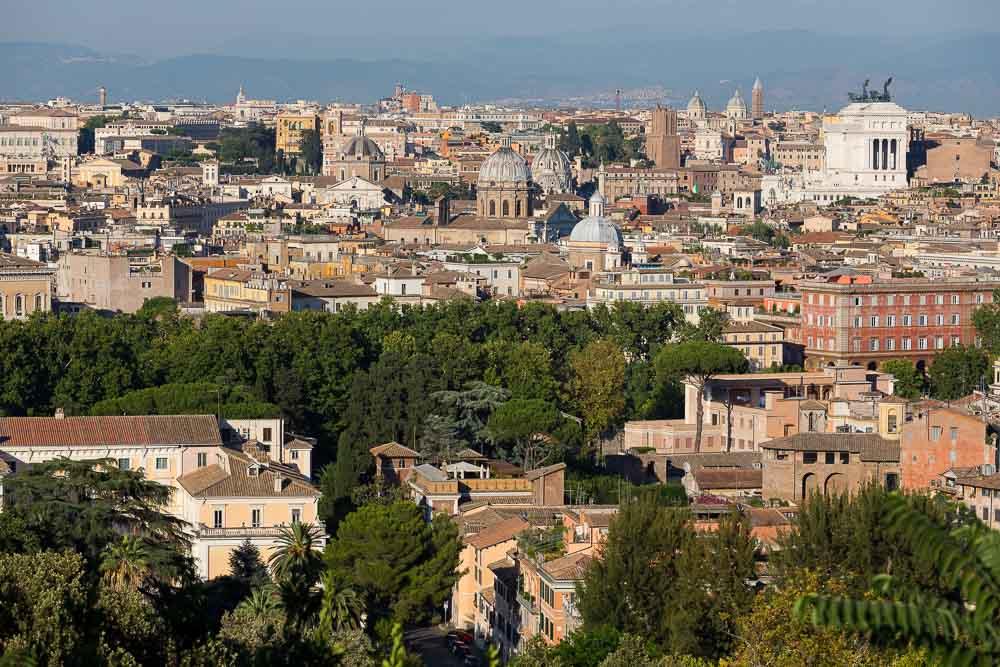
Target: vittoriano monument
<point x="872" y="95"/>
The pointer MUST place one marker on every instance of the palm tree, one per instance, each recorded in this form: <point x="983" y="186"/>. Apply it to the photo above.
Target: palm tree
<point x="341" y="607"/>
<point x="298" y="552"/>
<point x="262" y="602"/>
<point x="126" y="564"/>
<point x="296" y="564"/>
<point x="957" y="628"/>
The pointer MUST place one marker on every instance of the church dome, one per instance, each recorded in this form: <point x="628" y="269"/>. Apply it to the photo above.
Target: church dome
<point x="551" y="168"/>
<point x="595" y="228"/>
<point x="736" y="107"/>
<point x="696" y="104"/>
<point x="362" y="147"/>
<point x="504" y="166"/>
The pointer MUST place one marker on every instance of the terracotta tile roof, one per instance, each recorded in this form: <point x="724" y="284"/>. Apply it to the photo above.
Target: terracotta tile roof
<point x="871" y="446"/>
<point x="393" y="449"/>
<point x="497" y="533"/>
<point x="109" y="431"/>
<point x="215" y="481"/>
<point x="981" y="482"/>
<point x="540" y="472"/>
<point x="735" y="478"/>
<point x="568" y="568"/>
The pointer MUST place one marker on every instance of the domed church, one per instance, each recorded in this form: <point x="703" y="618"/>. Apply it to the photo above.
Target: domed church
<point x="361" y="157"/>
<point x="736" y="108"/>
<point x="596" y="243"/>
<point x="551" y="168"/>
<point x="504" y="184"/>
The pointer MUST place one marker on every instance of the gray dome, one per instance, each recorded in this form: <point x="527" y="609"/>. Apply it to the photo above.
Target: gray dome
<point x="696" y="103"/>
<point x="362" y="146"/>
<point x="504" y="166"/>
<point x="736" y="105"/>
<point x="552" y="171"/>
<point x="595" y="228"/>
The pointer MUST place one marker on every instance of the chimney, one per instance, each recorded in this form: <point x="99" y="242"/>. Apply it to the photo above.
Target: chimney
<point x="60" y="413"/>
<point x="279" y="483"/>
<point x="443" y="214"/>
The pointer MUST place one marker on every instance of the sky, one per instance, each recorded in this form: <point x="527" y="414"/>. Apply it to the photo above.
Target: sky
<point x="424" y="28"/>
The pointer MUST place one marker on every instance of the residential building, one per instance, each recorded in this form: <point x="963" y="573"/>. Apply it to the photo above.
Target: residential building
<point x="235" y="290"/>
<point x="121" y="282"/>
<point x="762" y="344"/>
<point x="853" y="318"/>
<point x="25" y="287"/>
<point x="649" y="285"/>
<point x="289" y="128"/>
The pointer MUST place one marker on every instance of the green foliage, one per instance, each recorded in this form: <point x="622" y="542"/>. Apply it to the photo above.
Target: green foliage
<point x="957" y="371"/>
<point x="596" y="387"/>
<point x="543" y="543"/>
<point x="85" y="141"/>
<point x="986" y="319"/>
<point x="526" y="426"/>
<point x="245" y="563"/>
<point x="402" y="567"/>
<point x="698" y="361"/>
<point x="658" y="580"/>
<point x="233" y="402"/>
<point x="489" y="126"/>
<point x="44" y="598"/>
<point x="909" y="383"/>
<point x="86" y="505"/>
<point x="311" y="151"/>
<point x="254" y="142"/>
<point x="956" y="623"/>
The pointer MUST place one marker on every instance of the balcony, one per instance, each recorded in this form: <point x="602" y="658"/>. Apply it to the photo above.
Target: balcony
<point x="242" y="532"/>
<point x="527" y="602"/>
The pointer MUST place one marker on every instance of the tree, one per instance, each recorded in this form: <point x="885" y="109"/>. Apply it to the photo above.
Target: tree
<point x="257" y="623"/>
<point x="44" y="610"/>
<point x="311" y="151"/>
<point x="957" y="371"/>
<point x="646" y="583"/>
<point x="125" y="564"/>
<point x="85" y="142"/>
<point x="402" y="567"/>
<point x="297" y="563"/>
<point x="711" y="325"/>
<point x="440" y="438"/>
<point x="490" y="126"/>
<point x="341" y="607"/>
<point x="698" y="362"/>
<point x="596" y="387"/>
<point x="986" y="319"/>
<point x="957" y="626"/>
<point x="245" y="563"/>
<point x="908" y="382"/>
<point x="526" y="426"/>
<point x="86" y="505"/>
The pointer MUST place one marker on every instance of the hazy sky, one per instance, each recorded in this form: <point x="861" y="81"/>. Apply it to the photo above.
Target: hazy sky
<point x="323" y="28"/>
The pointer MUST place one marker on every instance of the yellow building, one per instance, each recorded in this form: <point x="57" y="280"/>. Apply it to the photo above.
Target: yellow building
<point x="242" y="494"/>
<point x="289" y="129"/>
<point x="238" y="290"/>
<point x="762" y="344"/>
<point x="25" y="287"/>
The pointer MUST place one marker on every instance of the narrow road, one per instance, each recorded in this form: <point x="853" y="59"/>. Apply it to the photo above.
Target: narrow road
<point x="429" y="644"/>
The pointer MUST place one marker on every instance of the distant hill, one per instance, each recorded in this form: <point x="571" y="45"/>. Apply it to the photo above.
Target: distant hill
<point x="799" y="69"/>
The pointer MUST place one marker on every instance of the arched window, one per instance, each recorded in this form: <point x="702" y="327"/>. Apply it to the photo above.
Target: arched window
<point x="375" y="174"/>
<point x="493" y="208"/>
<point x="517" y="208"/>
<point x="39" y="303"/>
<point x="739" y="202"/>
<point x="505" y="208"/>
<point x="19" y="305"/>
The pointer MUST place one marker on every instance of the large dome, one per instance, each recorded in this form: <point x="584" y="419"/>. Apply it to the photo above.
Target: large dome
<point x="736" y="107"/>
<point x="696" y="104"/>
<point x="595" y="228"/>
<point x="551" y="168"/>
<point x="362" y="147"/>
<point x="504" y="166"/>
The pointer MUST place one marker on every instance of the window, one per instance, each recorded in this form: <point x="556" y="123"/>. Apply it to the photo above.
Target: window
<point x="296" y="515"/>
<point x="267" y="434"/>
<point x="217" y="521"/>
<point x="890" y="344"/>
<point x="939" y="299"/>
<point x="295" y="455"/>
<point x="922" y="320"/>
<point x="857" y="322"/>
<point x="892" y="422"/>
<point x="954" y="434"/>
<point x="873" y="345"/>
<point x="255" y="515"/>
<point x="873" y="321"/>
<point x="922" y="343"/>
<point x="939" y="342"/>
<point x="890" y="321"/>
<point x="202" y="459"/>
<point x="831" y="458"/>
<point x="954" y="299"/>
<point x="907" y="320"/>
<point x="979" y="298"/>
<point x="161" y="463"/>
<point x="124" y="464"/>
<point x="955" y="318"/>
<point x="955" y="341"/>
<point x="809" y="457"/>
<point x="939" y="319"/>
<point x="857" y="301"/>
<point x="907" y="344"/>
<point x="935" y="433"/>
<point x="845" y="457"/>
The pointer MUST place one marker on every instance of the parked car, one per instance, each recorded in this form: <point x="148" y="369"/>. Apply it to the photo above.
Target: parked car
<point x="457" y="635"/>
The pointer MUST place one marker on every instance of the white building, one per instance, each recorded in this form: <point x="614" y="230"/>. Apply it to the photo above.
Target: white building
<point x="866" y="146"/>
